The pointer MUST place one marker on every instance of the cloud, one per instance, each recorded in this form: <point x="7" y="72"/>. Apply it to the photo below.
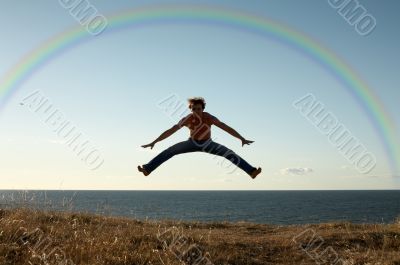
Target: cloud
<point x="56" y="141"/>
<point x="224" y="180"/>
<point x="388" y="176"/>
<point x="297" y="171"/>
<point x="361" y="176"/>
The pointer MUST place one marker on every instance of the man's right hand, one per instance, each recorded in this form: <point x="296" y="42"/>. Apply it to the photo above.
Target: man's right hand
<point x="151" y="145"/>
<point x="244" y="141"/>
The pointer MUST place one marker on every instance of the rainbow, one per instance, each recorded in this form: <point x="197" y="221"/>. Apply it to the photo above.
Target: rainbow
<point x="218" y="16"/>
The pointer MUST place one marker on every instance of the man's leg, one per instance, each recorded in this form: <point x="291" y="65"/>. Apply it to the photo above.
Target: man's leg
<point x="221" y="150"/>
<point x="179" y="148"/>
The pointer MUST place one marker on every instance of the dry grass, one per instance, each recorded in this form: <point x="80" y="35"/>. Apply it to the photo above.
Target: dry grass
<point x="48" y="237"/>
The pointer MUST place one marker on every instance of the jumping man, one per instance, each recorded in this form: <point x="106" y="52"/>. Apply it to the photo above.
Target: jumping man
<point x="199" y="123"/>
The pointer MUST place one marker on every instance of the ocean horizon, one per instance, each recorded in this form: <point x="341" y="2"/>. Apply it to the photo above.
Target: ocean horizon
<point x="282" y="207"/>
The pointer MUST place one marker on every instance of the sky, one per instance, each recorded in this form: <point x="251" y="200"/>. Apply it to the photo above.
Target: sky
<point x="119" y="91"/>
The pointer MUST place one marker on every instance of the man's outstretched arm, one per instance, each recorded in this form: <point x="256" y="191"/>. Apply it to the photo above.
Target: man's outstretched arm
<point x="231" y="131"/>
<point x="164" y="135"/>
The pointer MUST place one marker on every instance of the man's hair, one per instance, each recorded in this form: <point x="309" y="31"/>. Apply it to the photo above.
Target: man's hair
<point x="196" y="100"/>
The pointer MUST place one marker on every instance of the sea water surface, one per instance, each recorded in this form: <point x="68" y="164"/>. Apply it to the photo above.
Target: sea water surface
<point x="272" y="207"/>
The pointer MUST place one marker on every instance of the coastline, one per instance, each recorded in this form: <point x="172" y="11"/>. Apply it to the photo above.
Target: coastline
<point x="40" y="236"/>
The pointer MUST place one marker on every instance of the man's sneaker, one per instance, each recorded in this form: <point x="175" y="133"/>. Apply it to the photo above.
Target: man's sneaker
<point x="144" y="171"/>
<point x="255" y="172"/>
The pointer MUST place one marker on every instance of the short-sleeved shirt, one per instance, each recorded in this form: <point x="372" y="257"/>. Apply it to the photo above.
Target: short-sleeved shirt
<point x="200" y="127"/>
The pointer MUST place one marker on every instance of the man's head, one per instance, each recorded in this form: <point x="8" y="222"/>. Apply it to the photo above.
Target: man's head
<point x="197" y="104"/>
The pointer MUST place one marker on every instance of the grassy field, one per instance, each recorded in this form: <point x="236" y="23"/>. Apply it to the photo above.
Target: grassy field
<point x="48" y="237"/>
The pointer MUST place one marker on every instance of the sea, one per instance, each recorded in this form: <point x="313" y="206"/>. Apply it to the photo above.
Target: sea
<point x="264" y="207"/>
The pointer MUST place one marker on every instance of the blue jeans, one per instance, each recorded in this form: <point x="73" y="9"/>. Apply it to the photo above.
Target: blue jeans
<point x="190" y="145"/>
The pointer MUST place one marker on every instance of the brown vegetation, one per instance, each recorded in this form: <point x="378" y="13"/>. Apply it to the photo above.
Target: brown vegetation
<point x="49" y="237"/>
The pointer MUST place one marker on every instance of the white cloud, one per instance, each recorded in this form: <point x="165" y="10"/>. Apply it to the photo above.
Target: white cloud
<point x="380" y="176"/>
<point x="56" y="141"/>
<point x="224" y="180"/>
<point x="296" y="171"/>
